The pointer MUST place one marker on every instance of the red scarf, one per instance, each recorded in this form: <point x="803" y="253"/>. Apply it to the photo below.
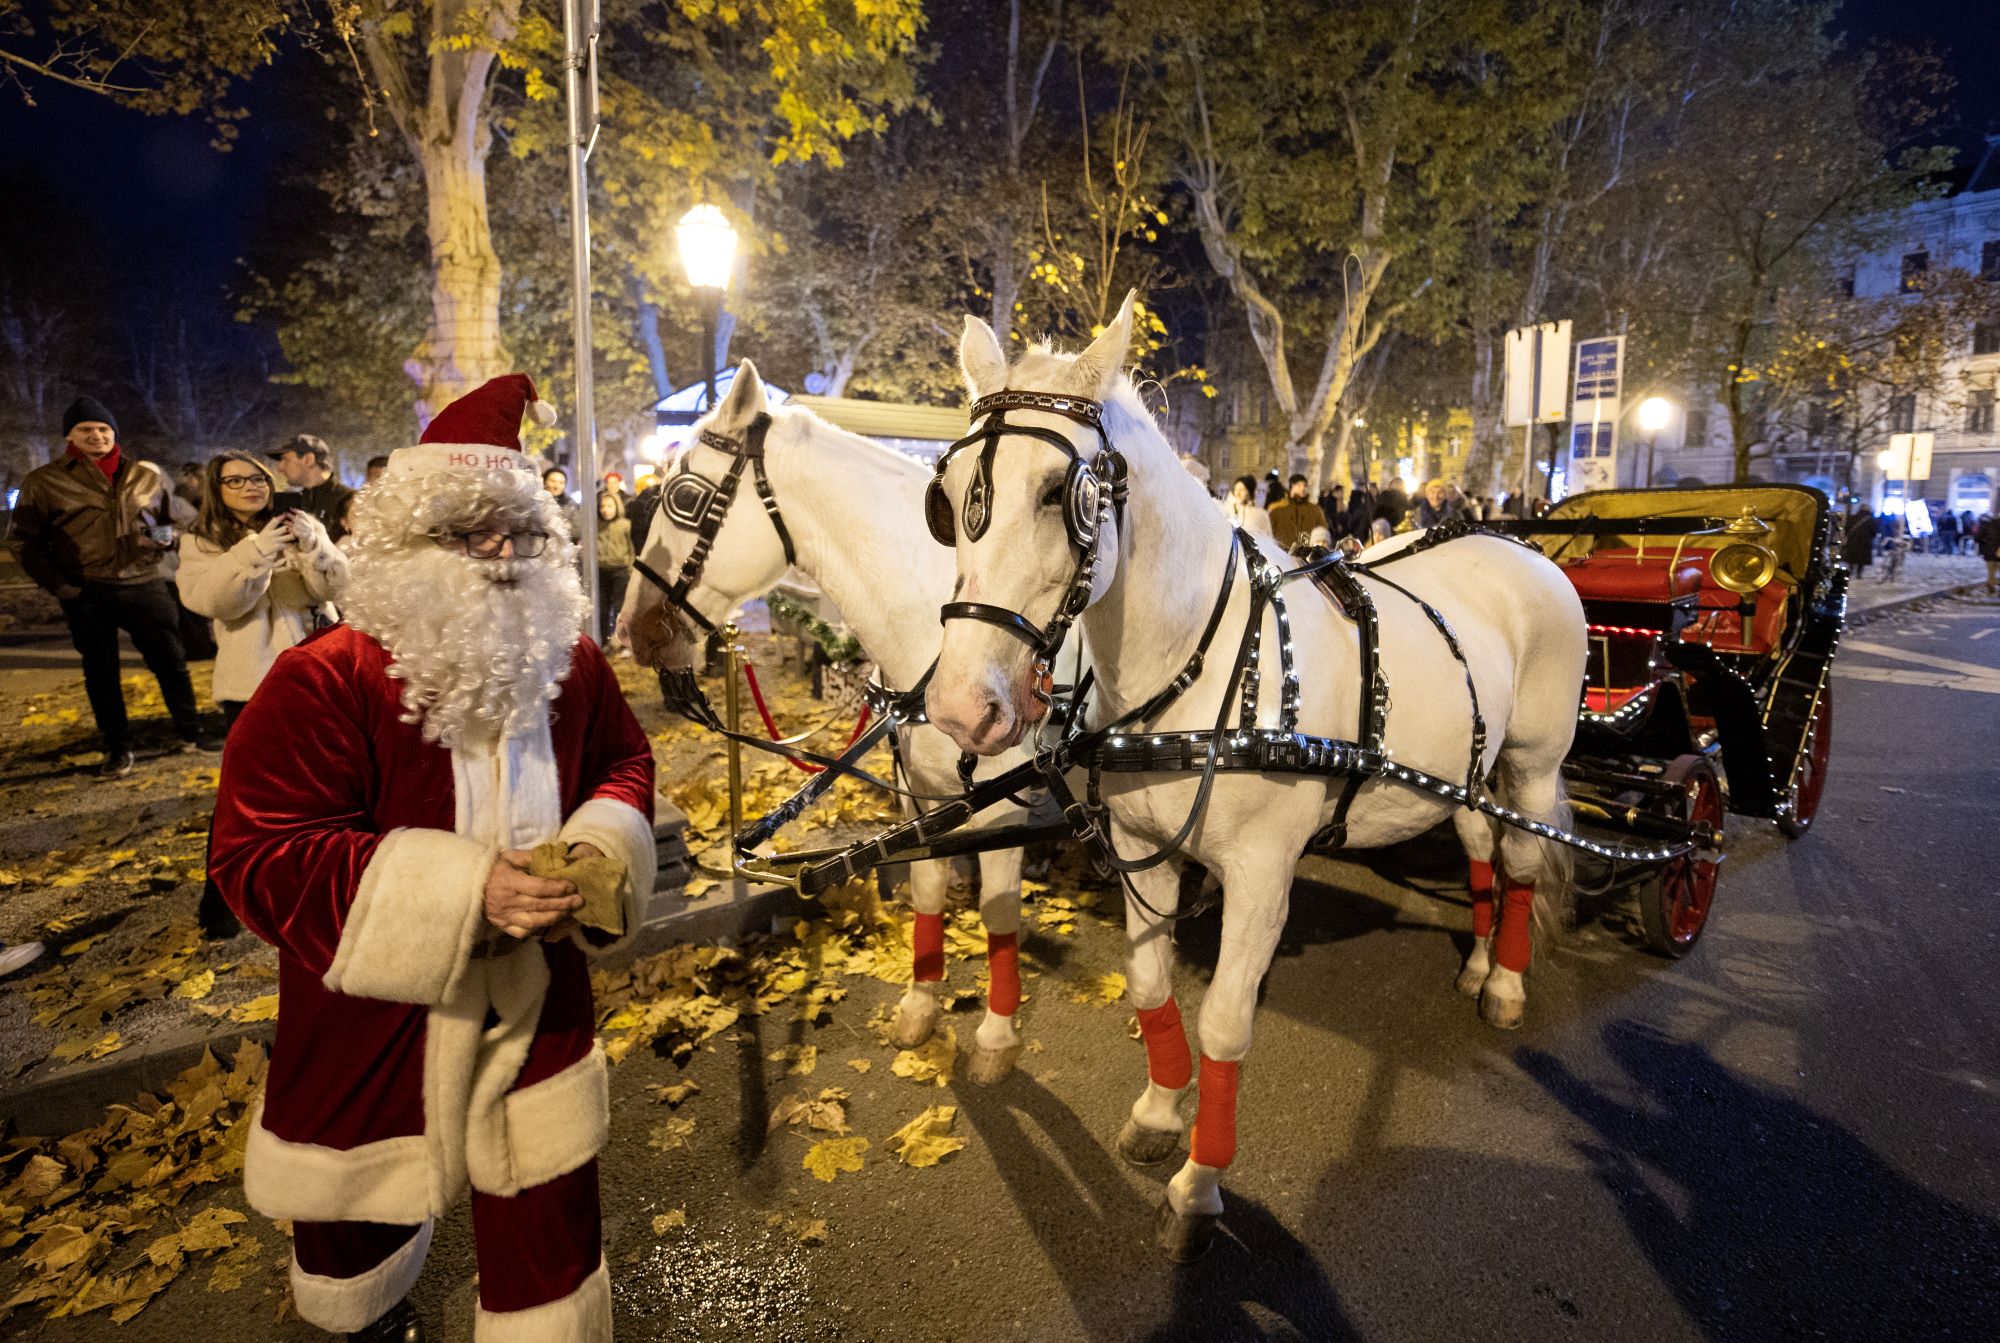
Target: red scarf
<point x="108" y="463"/>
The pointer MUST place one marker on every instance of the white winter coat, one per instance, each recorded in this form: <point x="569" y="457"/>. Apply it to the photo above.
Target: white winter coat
<point x="261" y="598"/>
<point x="1250" y="517"/>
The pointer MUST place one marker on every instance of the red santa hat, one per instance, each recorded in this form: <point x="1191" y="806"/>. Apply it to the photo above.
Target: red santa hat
<point x="481" y="431"/>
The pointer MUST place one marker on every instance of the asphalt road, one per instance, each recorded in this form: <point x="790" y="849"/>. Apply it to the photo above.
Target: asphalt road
<point x="1790" y="1134"/>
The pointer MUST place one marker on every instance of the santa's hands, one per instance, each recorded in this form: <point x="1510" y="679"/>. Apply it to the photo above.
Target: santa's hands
<point x="520" y="904"/>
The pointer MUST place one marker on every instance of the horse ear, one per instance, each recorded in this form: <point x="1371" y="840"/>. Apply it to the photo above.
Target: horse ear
<point x="1096" y="370"/>
<point x="744" y="401"/>
<point x="981" y="359"/>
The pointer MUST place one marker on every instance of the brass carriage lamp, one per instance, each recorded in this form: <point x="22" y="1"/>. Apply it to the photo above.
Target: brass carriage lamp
<point x="1744" y="563"/>
<point x="708" y="254"/>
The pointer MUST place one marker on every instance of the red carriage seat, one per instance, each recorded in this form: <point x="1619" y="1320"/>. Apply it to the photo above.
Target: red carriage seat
<point x="1623" y="574"/>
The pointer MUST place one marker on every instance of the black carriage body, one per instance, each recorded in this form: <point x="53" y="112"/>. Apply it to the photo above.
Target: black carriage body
<point x="1678" y="664"/>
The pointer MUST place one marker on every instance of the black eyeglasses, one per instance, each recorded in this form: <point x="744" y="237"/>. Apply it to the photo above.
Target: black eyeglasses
<point x="488" y="545"/>
<point x="241" y="482"/>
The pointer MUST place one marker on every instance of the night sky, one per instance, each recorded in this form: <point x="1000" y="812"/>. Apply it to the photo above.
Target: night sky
<point x="165" y="199"/>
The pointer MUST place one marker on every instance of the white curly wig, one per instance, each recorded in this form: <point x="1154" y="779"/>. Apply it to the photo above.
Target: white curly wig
<point x="481" y="646"/>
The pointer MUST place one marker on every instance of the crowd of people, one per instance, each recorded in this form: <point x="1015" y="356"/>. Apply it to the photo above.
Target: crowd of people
<point x="1293" y="517"/>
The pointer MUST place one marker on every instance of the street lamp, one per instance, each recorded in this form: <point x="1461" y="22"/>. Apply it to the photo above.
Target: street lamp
<point x="708" y="254"/>
<point x="1654" y="412"/>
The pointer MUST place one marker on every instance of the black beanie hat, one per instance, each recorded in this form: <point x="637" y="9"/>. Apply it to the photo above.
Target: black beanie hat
<point x="86" y="408"/>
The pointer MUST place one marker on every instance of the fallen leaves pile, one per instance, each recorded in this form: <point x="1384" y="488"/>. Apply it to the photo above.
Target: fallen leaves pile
<point x="93" y="1220"/>
<point x="166" y="961"/>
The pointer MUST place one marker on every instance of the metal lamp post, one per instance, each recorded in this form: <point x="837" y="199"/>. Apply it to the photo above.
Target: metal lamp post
<point x="708" y="254"/>
<point x="1654" y="413"/>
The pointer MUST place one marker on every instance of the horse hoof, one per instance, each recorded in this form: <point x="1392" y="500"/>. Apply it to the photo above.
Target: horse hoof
<point x="1471" y="981"/>
<point x="1505" y="1013"/>
<point x="1185" y="1238"/>
<point x="912" y="1032"/>
<point x="1144" y="1146"/>
<point x="992" y="1065"/>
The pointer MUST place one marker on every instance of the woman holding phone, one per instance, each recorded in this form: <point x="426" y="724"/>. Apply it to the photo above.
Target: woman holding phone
<point x="263" y="577"/>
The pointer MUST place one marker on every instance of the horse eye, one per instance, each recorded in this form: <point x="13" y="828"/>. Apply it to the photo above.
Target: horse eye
<point x="1052" y="495"/>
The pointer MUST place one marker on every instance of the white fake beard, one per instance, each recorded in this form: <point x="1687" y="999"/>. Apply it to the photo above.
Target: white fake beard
<point x="481" y="646"/>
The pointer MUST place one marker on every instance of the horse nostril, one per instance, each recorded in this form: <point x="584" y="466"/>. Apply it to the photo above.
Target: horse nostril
<point x="987" y="722"/>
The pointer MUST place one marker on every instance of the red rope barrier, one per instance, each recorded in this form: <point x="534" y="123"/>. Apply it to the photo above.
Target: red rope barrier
<point x="771" y="726"/>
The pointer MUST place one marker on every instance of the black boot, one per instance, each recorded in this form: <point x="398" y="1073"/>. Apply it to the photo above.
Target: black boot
<point x="218" y="922"/>
<point x="400" y="1325"/>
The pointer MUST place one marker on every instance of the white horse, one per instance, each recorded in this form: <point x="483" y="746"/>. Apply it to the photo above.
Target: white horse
<point x="1158" y="573"/>
<point x="854" y="509"/>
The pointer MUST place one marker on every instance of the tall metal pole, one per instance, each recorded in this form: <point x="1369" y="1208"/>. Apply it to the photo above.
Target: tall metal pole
<point x="579" y="49"/>
<point x="711" y="317"/>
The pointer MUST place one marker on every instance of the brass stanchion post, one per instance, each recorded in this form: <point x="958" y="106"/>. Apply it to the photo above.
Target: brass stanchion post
<point x="732" y="711"/>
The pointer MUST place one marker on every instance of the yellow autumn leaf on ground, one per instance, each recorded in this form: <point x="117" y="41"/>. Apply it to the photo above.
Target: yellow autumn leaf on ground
<point x="674" y="1094"/>
<point x="828" y="1112"/>
<point x="257" y="1009"/>
<point x="932" y="1061"/>
<point x="1101" y="990"/>
<point x="196" y="987"/>
<point x="671" y="1134"/>
<point x="860" y="1065"/>
<point x="805" y="1230"/>
<point x="926" y="1140"/>
<point x="71" y="1050"/>
<point x="799" y="1060"/>
<point x="674" y="1219"/>
<point x="830" y="1156"/>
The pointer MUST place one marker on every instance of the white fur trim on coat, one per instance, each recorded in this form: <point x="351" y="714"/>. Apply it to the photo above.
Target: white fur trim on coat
<point x="541" y="1131"/>
<point x="346" y="1305"/>
<point x="385" y="1181"/>
<point x="408" y="936"/>
<point x="622" y="832"/>
<point x="584" y="1316"/>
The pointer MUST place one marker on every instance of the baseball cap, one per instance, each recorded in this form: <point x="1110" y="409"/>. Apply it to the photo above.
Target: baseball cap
<point x="304" y="443"/>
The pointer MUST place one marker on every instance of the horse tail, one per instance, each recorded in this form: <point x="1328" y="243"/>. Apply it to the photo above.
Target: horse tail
<point x="1555" y="893"/>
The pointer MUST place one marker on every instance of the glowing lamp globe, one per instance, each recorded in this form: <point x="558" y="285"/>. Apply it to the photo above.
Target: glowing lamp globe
<point x="1654" y="412"/>
<point x="708" y="247"/>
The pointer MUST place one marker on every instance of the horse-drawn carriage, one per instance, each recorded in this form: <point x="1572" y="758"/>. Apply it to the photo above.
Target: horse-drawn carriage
<point x="1713" y="617"/>
<point x="1234" y="709"/>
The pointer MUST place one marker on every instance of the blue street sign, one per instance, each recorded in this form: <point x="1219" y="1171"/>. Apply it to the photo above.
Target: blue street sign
<point x="1584" y="443"/>
<point x="1597" y="370"/>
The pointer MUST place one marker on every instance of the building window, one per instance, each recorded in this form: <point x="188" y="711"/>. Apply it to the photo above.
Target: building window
<point x="1986" y="338"/>
<point x="1843" y="282"/>
<point x="1989" y="259"/>
<point x="1820" y="420"/>
<point x="1915" y="264"/>
<point x="1903" y="413"/>
<point x="1979" y="412"/>
<point x="1694" y="428"/>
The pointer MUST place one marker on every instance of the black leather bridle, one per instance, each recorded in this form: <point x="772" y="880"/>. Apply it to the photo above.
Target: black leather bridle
<point x="1094" y="488"/>
<point x="697" y="504"/>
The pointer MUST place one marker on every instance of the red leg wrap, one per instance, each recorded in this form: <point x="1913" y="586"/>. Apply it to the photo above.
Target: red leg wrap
<point x="1167" y="1060"/>
<point x="1213" y="1141"/>
<point x="1482" y="899"/>
<point x="928" y="940"/>
<point x="1003" y="972"/>
<point x="1510" y="949"/>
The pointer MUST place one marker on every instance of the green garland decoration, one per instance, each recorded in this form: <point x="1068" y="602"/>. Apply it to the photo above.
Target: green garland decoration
<point x="840" y="649"/>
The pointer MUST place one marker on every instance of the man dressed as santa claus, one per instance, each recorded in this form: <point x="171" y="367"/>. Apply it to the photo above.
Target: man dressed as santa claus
<point x="379" y="798"/>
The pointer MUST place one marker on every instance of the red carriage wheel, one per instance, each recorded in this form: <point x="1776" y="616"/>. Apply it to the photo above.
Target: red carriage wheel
<point x="1674" y="900"/>
<point x="1810" y="781"/>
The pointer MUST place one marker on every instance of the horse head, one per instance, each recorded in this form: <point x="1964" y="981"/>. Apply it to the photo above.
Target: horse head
<point x="1026" y="502"/>
<point x="745" y="554"/>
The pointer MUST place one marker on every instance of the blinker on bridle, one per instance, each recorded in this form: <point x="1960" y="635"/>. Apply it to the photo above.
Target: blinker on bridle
<point x="1088" y="486"/>
<point x="697" y="504"/>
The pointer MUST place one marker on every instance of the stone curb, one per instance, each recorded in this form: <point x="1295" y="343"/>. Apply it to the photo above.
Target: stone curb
<point x="1856" y="619"/>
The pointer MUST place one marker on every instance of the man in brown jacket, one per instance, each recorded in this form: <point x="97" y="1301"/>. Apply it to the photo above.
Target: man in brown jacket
<point x="93" y="527"/>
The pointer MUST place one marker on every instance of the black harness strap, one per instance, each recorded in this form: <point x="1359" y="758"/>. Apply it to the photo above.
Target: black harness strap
<point x="707" y="521"/>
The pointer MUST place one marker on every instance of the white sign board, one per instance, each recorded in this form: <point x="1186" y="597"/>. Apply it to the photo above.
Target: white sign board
<point x="1537" y="368"/>
<point x="1909" y="456"/>
<point x="1593" y="430"/>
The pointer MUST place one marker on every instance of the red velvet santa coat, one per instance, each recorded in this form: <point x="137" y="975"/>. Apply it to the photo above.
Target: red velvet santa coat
<point x="406" y="1064"/>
